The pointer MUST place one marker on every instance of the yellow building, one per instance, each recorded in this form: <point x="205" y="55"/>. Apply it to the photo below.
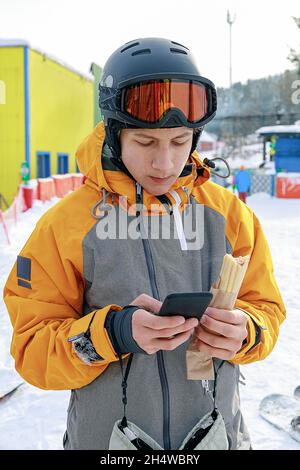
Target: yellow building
<point x="46" y="109"/>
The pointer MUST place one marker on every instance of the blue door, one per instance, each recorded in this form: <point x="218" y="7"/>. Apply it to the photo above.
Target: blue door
<point x="62" y="163"/>
<point x="43" y="164"/>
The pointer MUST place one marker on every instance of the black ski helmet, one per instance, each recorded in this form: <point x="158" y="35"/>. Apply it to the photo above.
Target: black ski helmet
<point x="143" y="60"/>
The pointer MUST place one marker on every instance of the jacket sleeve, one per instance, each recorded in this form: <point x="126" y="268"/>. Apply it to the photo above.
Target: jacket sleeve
<point x="259" y="295"/>
<point x="53" y="345"/>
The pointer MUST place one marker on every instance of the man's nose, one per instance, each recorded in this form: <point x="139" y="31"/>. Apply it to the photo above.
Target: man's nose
<point x="163" y="159"/>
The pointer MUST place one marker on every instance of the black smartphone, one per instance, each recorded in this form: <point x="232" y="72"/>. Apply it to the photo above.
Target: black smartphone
<point x="186" y="304"/>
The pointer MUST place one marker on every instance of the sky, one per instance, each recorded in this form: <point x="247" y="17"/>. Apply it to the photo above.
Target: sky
<point x="81" y="32"/>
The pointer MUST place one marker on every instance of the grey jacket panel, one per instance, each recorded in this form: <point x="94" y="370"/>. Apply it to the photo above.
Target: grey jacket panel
<point x="116" y="271"/>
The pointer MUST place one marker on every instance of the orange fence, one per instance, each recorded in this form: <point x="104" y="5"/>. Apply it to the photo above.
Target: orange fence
<point x="46" y="189"/>
<point x="9" y="217"/>
<point x="43" y="189"/>
<point x="58" y="185"/>
<point x="63" y="184"/>
<point x="78" y="180"/>
<point x="4" y="226"/>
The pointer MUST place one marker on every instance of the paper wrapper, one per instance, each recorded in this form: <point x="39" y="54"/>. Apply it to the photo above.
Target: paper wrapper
<point x="199" y="364"/>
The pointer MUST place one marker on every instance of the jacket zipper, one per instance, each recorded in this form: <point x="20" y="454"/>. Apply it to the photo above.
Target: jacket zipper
<point x="160" y="357"/>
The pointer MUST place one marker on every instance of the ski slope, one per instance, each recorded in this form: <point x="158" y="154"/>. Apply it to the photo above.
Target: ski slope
<point x="36" y="419"/>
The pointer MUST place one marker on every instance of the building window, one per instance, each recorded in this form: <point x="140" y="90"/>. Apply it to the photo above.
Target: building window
<point x="43" y="164"/>
<point x="62" y="163"/>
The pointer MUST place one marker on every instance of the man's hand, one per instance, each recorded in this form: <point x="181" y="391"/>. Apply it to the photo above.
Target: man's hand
<point x="154" y="333"/>
<point x="230" y="324"/>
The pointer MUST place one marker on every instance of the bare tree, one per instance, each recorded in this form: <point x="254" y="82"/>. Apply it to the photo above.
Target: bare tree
<point x="294" y="55"/>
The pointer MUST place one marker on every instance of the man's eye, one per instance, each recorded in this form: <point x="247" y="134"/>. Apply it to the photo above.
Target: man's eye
<point x="144" y="144"/>
<point x="180" y="143"/>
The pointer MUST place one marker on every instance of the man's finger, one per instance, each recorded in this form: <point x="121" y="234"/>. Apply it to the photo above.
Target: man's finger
<point x="147" y="302"/>
<point x="172" y="343"/>
<point x="215" y="352"/>
<point x="233" y="317"/>
<point x="155" y="322"/>
<point x="187" y="325"/>
<point x="219" y="342"/>
<point x="225" y="329"/>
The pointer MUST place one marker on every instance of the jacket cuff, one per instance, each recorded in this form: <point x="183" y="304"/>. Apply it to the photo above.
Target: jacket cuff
<point x="119" y="328"/>
<point x="253" y="338"/>
<point x="89" y="338"/>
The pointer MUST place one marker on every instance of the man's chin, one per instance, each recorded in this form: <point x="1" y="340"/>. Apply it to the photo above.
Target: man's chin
<point x="158" y="191"/>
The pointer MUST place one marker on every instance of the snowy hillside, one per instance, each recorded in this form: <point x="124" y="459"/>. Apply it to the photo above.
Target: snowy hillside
<point x="36" y="419"/>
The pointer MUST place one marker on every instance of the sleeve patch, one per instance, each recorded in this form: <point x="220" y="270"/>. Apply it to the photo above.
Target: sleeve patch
<point x="24" y="268"/>
<point x="84" y="348"/>
<point x="24" y="284"/>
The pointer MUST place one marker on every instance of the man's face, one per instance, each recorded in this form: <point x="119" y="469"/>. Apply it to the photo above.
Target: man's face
<point x="156" y="157"/>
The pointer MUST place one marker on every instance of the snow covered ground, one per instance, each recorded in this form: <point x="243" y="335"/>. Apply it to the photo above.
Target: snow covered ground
<point x="36" y="419"/>
<point x="280" y="372"/>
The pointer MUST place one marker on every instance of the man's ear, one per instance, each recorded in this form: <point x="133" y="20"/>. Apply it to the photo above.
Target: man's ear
<point x="196" y="136"/>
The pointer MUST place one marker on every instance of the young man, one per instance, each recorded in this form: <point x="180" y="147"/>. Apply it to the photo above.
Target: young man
<point x="82" y="294"/>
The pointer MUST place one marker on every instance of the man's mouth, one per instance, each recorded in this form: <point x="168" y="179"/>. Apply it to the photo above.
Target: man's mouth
<point x="160" y="180"/>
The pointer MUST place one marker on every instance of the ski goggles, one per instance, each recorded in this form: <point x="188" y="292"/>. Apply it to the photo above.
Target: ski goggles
<point x="151" y="102"/>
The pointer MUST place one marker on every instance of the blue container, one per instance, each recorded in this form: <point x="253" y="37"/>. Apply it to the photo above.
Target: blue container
<point x="287" y="157"/>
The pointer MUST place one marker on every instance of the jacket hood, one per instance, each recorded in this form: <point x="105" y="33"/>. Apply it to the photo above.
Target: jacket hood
<point x="91" y="156"/>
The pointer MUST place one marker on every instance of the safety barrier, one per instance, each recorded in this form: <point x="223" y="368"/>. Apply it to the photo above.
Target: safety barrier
<point x="59" y="185"/>
<point x="78" y="180"/>
<point x="288" y="185"/>
<point x="43" y="189"/>
<point x="46" y="189"/>
<point x="4" y="226"/>
<point x="9" y="217"/>
<point x="63" y="184"/>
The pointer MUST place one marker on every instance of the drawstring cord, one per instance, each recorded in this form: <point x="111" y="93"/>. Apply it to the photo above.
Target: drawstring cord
<point x="178" y="221"/>
<point x="209" y="163"/>
<point x="103" y="206"/>
<point x="138" y="199"/>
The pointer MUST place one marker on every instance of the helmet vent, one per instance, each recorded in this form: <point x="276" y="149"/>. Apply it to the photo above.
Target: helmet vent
<point x="178" y="51"/>
<point x="142" y="51"/>
<point x="130" y="45"/>
<point x="181" y="45"/>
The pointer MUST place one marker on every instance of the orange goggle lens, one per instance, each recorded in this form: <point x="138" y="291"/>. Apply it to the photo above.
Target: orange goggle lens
<point x="150" y="101"/>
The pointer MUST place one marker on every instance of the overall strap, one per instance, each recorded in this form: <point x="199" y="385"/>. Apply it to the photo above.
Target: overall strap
<point x="212" y="392"/>
<point x="124" y="384"/>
